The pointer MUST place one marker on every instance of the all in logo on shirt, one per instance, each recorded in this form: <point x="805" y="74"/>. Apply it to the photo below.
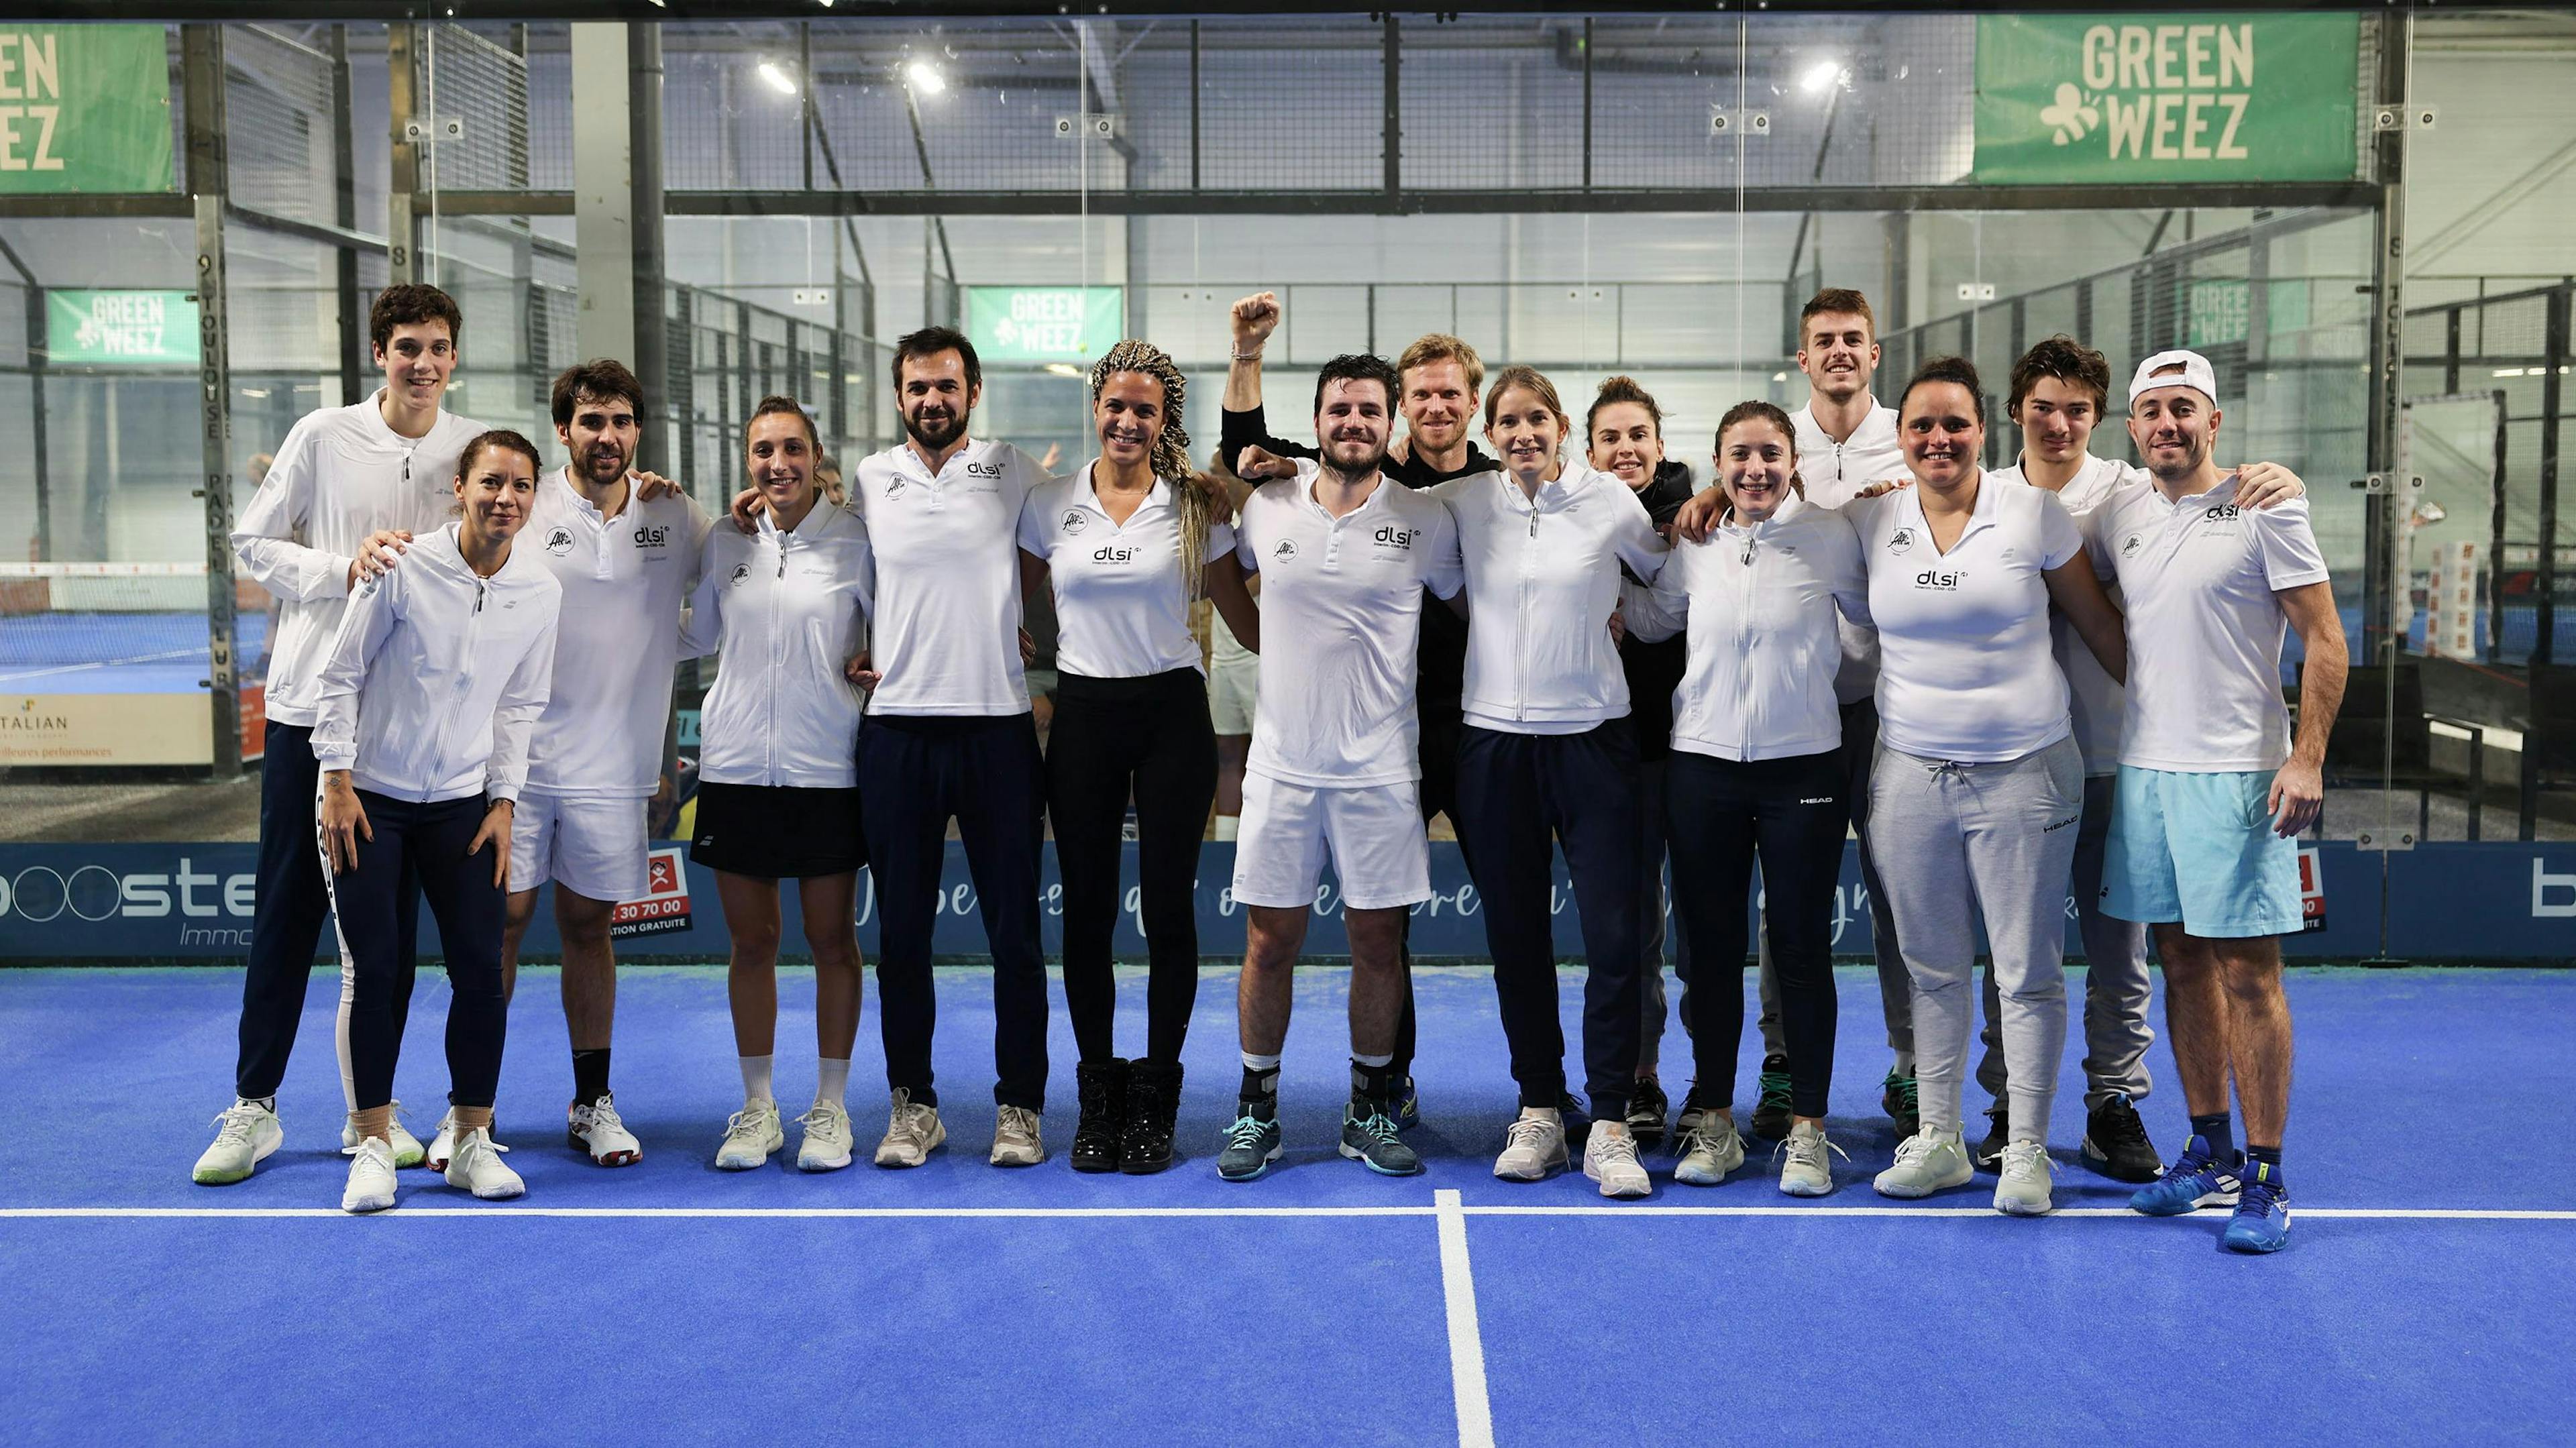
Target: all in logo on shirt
<point x="741" y="571"/>
<point x="2130" y="548"/>
<point x="558" y="540"/>
<point x="1286" y="550"/>
<point x="1900" y="540"/>
<point x="894" y="489"/>
<point x="1075" y="520"/>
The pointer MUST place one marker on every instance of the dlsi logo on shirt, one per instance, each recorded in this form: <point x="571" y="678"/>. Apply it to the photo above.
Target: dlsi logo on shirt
<point x="1113" y="553"/>
<point x="1392" y="536"/>
<point x="1939" y="581"/>
<point x="650" y="537"/>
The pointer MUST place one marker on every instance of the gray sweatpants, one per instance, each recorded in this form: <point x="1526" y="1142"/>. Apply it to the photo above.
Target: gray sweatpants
<point x="1895" y="987"/>
<point x="1959" y="840"/>
<point x="2116" y="987"/>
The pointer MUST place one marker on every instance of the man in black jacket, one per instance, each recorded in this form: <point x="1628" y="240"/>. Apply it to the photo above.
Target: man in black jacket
<point x="1442" y="378"/>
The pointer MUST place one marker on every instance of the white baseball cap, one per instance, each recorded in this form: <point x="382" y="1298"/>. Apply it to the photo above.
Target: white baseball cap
<point x="2196" y="374"/>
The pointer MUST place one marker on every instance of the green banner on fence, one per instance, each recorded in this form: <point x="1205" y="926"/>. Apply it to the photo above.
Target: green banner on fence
<point x="84" y="108"/>
<point x="121" y="329"/>
<point x="1044" y="324"/>
<point x="2131" y="98"/>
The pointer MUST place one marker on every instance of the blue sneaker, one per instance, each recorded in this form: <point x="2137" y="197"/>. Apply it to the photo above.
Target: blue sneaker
<point x="1251" y="1143"/>
<point x="1371" y="1141"/>
<point x="2262" y="1221"/>
<point x="2192" y="1182"/>
<point x="1408" y="1112"/>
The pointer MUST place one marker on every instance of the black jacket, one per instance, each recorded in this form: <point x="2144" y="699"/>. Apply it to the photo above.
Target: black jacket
<point x="1656" y="669"/>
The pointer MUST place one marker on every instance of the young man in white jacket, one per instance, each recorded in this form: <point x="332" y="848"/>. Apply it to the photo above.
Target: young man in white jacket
<point x="350" y="486"/>
<point x="626" y="554"/>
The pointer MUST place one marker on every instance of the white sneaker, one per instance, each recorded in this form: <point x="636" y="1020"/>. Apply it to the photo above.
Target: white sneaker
<point x="827" y="1138"/>
<point x="245" y="1133"/>
<point x="2022" y="1183"/>
<point x="1710" y="1147"/>
<point x="442" y="1143"/>
<point x="371" y="1178"/>
<point x="477" y="1167"/>
<point x="596" y="1128"/>
<point x="1610" y="1158"/>
<point x="1015" y="1138"/>
<point x="406" y="1147"/>
<point x="1926" y="1162"/>
<point x="1808" y="1172"/>
<point x="912" y="1134"/>
<point x="1533" y="1146"/>
<point x="751" y="1134"/>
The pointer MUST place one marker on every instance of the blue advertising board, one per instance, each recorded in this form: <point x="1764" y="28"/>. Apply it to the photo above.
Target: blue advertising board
<point x="194" y="902"/>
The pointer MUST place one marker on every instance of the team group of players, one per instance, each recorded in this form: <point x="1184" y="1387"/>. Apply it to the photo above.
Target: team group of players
<point x="1854" y="628"/>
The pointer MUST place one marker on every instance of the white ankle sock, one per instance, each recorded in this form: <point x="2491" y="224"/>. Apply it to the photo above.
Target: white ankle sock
<point x="1227" y="826"/>
<point x="1252" y="1062"/>
<point x="1905" y="1063"/>
<point x="755" y="1078"/>
<point x="834" y="1085"/>
<point x="1374" y="1062"/>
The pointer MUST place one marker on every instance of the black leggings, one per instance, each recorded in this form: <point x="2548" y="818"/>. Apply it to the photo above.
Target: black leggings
<point x="1150" y="738"/>
<point x="427" y="840"/>
<point x="1792" y="813"/>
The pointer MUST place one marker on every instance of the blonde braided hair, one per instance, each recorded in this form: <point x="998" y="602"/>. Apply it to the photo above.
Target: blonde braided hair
<point x="1170" y="459"/>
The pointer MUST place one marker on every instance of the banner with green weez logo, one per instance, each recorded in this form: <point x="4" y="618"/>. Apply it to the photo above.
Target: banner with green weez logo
<point x="84" y="108"/>
<point x="2209" y="96"/>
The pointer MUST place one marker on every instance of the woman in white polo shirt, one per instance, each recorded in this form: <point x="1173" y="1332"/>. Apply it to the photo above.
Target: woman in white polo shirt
<point x="786" y="606"/>
<point x="1128" y="543"/>
<point x="1757" y="771"/>
<point x="1978" y="784"/>
<point x="427" y="698"/>
<point x="1547" y="751"/>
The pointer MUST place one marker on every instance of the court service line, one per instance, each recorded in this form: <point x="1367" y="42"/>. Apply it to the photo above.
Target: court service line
<point x="1466" y="1343"/>
<point x="1447" y="1206"/>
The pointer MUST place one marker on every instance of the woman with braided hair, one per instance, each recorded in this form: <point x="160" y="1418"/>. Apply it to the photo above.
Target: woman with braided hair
<point x="1129" y="544"/>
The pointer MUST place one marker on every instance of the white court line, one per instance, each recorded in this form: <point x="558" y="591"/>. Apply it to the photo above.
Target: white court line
<point x="1448" y="1206"/>
<point x="1466" y="1344"/>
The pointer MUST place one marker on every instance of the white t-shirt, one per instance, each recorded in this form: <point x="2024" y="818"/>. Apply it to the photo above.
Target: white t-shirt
<point x="340" y="475"/>
<point x="1761" y="603"/>
<point x="947" y="620"/>
<point x="2095" y="702"/>
<point x="1965" y="669"/>
<point x="1542" y="582"/>
<point x="1341" y="605"/>
<point x="1832" y="473"/>
<point x="624" y="582"/>
<point x="2205" y="628"/>
<point x="785" y="611"/>
<point x="1121" y="605"/>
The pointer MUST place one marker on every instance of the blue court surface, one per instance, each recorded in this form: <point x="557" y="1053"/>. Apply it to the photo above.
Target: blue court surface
<point x="2424" y="1299"/>
<point x="118" y="653"/>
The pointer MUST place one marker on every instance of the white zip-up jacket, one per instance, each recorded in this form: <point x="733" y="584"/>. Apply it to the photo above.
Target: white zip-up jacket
<point x="438" y="675"/>
<point x="1764" y="605"/>
<point x="340" y="475"/>
<point x="1542" y="582"/>
<point x="786" y="610"/>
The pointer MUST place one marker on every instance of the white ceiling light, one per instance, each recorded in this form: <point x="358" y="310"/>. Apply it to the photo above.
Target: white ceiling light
<point x="924" y="77"/>
<point x="778" y="78"/>
<point x="1823" y="76"/>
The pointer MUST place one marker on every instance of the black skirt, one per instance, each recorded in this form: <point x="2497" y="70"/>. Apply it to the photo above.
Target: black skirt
<point x="778" y="831"/>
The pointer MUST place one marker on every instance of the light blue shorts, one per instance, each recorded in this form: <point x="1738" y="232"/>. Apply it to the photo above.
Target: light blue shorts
<point x="2199" y="849"/>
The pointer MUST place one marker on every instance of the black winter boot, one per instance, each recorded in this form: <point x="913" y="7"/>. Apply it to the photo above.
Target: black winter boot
<point x="1153" y="1099"/>
<point x="1102" y="1088"/>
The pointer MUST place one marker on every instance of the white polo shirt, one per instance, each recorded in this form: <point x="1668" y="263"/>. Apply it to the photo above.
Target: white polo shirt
<point x="2200" y="575"/>
<point x="624" y="581"/>
<point x="785" y="610"/>
<point x="1965" y="669"/>
<point x="947" y="621"/>
<point x="1542" y="582"/>
<point x="2095" y="702"/>
<point x="340" y="475"/>
<point x="1762" y="604"/>
<point x="1832" y="472"/>
<point x="1341" y="606"/>
<point x="1121" y="604"/>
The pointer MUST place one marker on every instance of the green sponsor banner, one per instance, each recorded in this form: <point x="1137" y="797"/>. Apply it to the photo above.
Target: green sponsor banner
<point x="121" y="329"/>
<point x="1044" y="324"/>
<point x="2221" y="311"/>
<point x="84" y="108"/>
<point x="2201" y="97"/>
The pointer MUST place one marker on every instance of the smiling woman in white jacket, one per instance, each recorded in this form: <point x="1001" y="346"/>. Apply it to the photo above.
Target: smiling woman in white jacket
<point x="427" y="698"/>
<point x="1547" y="751"/>
<point x="1757" y="770"/>
<point x="787" y="606"/>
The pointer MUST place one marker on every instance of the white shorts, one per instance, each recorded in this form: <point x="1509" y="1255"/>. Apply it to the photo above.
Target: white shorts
<point x="1234" y="693"/>
<point x="592" y="845"/>
<point x="1372" y="833"/>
